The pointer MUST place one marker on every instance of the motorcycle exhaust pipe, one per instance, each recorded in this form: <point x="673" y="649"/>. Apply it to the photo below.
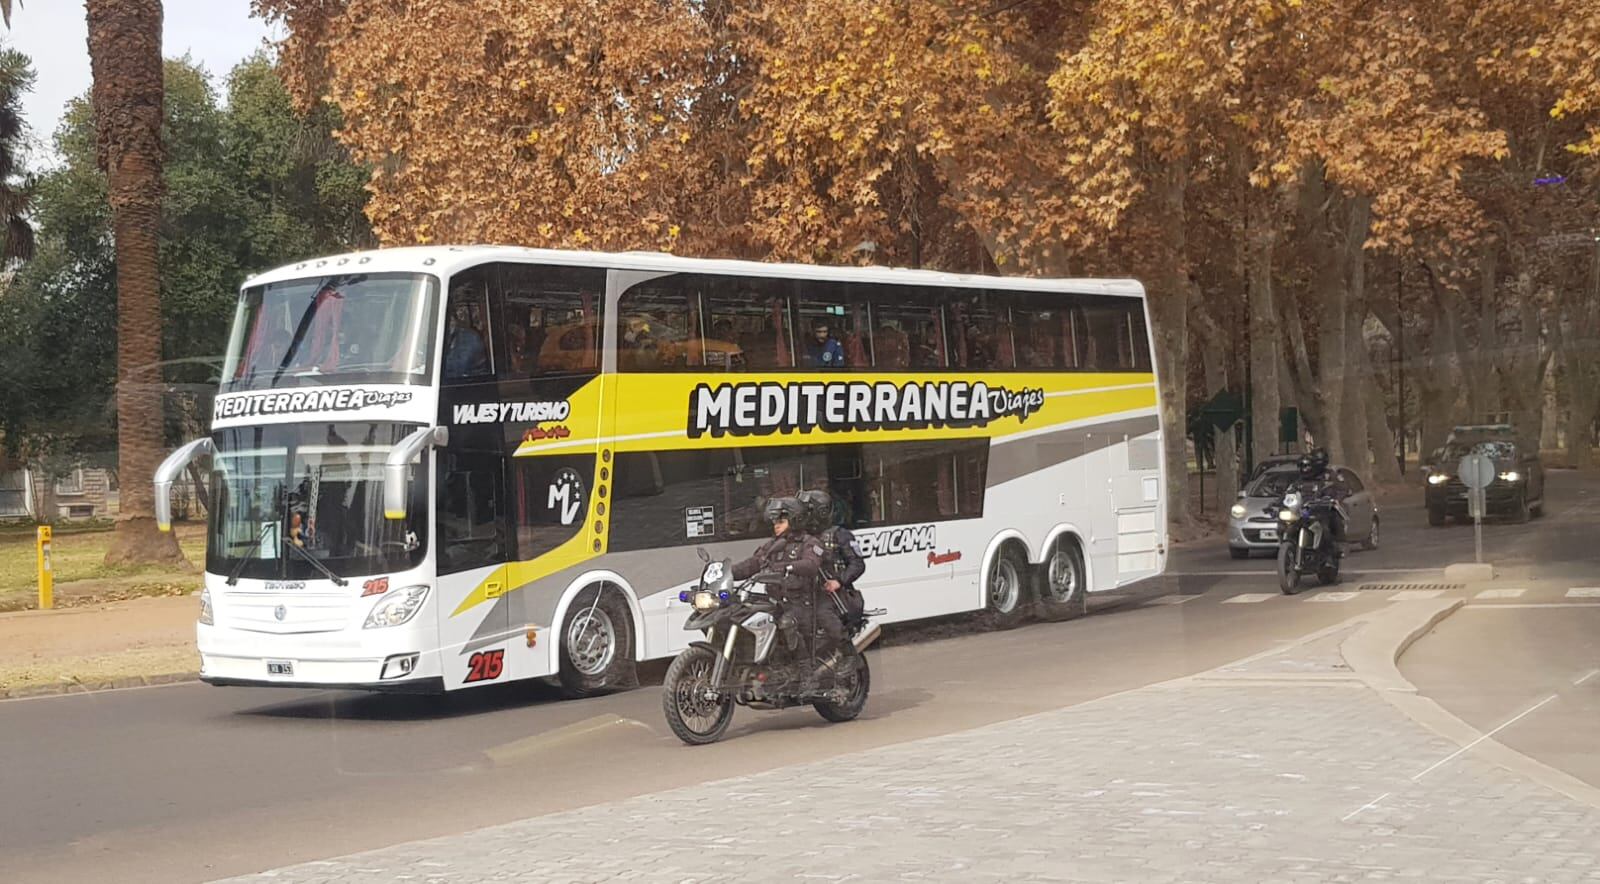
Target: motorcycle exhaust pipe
<point x="865" y="639"/>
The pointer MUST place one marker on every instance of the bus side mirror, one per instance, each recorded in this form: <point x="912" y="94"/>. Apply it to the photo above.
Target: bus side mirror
<point x="395" y="466"/>
<point x="168" y="472"/>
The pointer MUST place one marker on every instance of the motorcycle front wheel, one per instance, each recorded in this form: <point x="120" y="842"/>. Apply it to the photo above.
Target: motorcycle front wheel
<point x="1288" y="574"/>
<point x="693" y="718"/>
<point x="856" y="685"/>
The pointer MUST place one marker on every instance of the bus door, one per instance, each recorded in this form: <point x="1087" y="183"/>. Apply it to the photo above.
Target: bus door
<point x="1136" y="491"/>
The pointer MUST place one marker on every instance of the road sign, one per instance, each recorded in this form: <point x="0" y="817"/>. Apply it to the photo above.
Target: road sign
<point x="1476" y="470"/>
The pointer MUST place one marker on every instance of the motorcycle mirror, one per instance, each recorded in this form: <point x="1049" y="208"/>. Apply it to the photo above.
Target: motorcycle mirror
<point x="703" y="556"/>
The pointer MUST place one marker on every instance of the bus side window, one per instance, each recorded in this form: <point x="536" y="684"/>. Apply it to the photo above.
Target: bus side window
<point x="468" y="348"/>
<point x="551" y="319"/>
<point x="911" y="324"/>
<point x="832" y="326"/>
<point x="747" y="323"/>
<point x="659" y="329"/>
<point x="471" y="500"/>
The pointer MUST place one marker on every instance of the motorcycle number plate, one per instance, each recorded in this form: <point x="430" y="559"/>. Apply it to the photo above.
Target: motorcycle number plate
<point x="280" y="667"/>
<point x="1269" y="534"/>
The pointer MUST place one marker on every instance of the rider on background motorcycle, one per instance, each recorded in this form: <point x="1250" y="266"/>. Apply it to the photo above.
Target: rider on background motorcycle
<point x="1317" y="480"/>
<point x="842" y="564"/>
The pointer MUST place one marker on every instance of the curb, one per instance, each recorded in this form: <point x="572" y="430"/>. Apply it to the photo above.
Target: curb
<point x="96" y="685"/>
<point x="1374" y="652"/>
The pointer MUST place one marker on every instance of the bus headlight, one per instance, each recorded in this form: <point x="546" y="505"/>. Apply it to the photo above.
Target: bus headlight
<point x="397" y="606"/>
<point x="1511" y="476"/>
<point x="1437" y="478"/>
<point x="207" y="616"/>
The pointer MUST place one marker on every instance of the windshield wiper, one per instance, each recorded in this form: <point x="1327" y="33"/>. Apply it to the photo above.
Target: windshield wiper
<point x="233" y="576"/>
<point x="316" y="563"/>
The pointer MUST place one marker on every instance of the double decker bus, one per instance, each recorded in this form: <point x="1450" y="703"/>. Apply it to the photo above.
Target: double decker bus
<point x="443" y="467"/>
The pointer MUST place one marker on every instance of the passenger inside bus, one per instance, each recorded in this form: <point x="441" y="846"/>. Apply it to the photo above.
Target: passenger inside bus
<point x="464" y="353"/>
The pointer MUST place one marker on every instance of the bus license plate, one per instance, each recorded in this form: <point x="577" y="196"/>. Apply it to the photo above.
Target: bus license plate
<point x="280" y="667"/>
<point x="1269" y="534"/>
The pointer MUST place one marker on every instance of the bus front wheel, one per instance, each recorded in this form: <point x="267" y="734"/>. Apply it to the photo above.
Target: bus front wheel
<point x="597" y="644"/>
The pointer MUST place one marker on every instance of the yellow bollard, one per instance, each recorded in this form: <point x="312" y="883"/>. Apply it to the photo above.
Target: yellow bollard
<point x="47" y="579"/>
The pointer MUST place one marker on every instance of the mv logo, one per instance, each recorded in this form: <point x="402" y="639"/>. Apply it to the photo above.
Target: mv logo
<point x="566" y="496"/>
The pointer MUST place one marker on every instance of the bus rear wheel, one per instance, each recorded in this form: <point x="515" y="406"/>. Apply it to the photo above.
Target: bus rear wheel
<point x="1063" y="583"/>
<point x="1007" y="587"/>
<point x="597" y="641"/>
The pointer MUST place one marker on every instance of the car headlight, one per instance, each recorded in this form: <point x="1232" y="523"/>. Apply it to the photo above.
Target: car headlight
<point x="207" y="616"/>
<point x="705" y="601"/>
<point x="1238" y="511"/>
<point x="1511" y="476"/>
<point x="1288" y="515"/>
<point x="396" y="606"/>
<point x="1437" y="478"/>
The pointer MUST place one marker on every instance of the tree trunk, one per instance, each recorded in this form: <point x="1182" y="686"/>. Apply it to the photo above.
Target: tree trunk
<point x="127" y="96"/>
<point x="1580" y="361"/>
<point x="1169" y="313"/>
<point x="1214" y="355"/>
<point x="1264" y="358"/>
<point x="1352" y="380"/>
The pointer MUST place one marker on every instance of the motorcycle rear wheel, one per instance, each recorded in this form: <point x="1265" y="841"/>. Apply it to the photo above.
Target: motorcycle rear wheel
<point x="693" y="718"/>
<point x="860" y="685"/>
<point x="1288" y="574"/>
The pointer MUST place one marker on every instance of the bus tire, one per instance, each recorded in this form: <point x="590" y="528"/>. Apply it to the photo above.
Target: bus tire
<point x="1008" y="587"/>
<point x="1063" y="581"/>
<point x="597" y="641"/>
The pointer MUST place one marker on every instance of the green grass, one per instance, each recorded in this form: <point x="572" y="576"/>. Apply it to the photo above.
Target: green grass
<point x="77" y="556"/>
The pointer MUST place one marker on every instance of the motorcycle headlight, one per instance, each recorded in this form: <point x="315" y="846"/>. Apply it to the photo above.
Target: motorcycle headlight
<point x="397" y="606"/>
<point x="1238" y="511"/>
<point x="1511" y="476"/>
<point x="1292" y="500"/>
<point x="1437" y="478"/>
<point x="1288" y="515"/>
<point x="705" y="601"/>
<point x="207" y="616"/>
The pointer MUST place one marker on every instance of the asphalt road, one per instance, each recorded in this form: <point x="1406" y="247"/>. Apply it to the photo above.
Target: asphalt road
<point x="189" y="782"/>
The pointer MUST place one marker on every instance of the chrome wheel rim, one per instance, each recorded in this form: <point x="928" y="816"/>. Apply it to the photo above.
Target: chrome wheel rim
<point x="592" y="641"/>
<point x="1005" y="587"/>
<point x="699" y="714"/>
<point x="1063" y="576"/>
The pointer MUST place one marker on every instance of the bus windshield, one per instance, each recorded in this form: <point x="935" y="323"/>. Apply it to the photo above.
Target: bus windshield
<point x="317" y="487"/>
<point x="370" y="327"/>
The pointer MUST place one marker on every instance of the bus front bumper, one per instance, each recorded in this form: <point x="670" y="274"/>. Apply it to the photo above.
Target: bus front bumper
<point x="378" y="661"/>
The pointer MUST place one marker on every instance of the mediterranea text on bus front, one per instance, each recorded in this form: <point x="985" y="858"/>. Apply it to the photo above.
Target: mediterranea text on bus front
<point x="304" y="401"/>
<point x="758" y="409"/>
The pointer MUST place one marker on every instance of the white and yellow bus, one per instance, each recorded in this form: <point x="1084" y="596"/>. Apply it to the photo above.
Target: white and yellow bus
<point x="444" y="467"/>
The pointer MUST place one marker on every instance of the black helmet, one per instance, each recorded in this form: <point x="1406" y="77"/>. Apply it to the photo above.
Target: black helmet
<point x="785" y="508"/>
<point x="1313" y="463"/>
<point x="819" y="510"/>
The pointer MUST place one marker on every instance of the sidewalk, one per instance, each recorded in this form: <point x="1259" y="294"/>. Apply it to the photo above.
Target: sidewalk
<point x="119" y="644"/>
<point x="1308" y="764"/>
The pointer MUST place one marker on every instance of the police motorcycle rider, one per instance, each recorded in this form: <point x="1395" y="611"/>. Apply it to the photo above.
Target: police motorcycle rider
<point x="799" y="557"/>
<point x="1316" y="480"/>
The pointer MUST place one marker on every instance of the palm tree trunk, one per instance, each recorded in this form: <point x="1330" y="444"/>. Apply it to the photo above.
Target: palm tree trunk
<point x="125" y="59"/>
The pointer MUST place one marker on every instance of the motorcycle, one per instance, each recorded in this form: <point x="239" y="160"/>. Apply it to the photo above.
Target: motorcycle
<point x="754" y="655"/>
<point x="1308" y="545"/>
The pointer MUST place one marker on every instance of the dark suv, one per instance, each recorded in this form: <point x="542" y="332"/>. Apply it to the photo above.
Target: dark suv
<point x="1516" y="492"/>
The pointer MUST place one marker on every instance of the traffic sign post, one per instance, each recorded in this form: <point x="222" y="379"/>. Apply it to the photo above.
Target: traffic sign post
<point x="1476" y="472"/>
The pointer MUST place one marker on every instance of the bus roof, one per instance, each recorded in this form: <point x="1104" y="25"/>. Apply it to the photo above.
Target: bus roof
<point x="446" y="260"/>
